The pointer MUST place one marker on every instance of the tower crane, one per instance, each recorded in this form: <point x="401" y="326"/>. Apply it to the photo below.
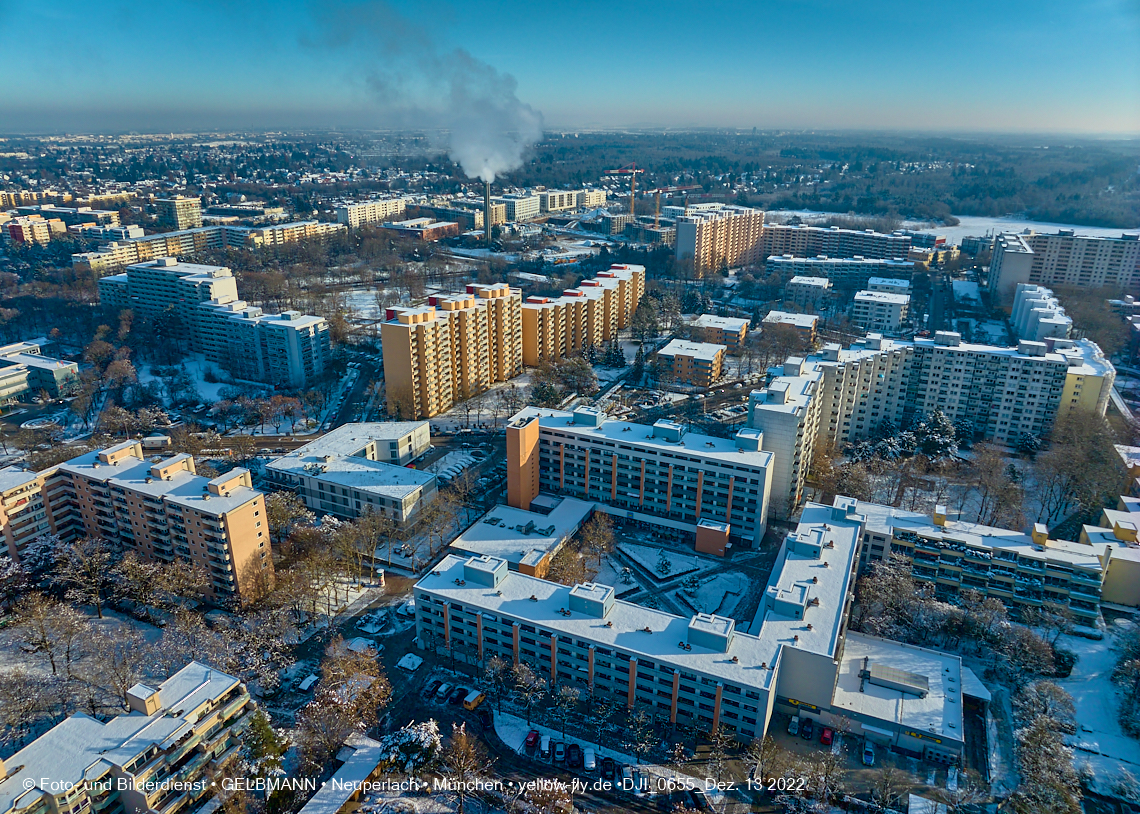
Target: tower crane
<point x="631" y="170"/>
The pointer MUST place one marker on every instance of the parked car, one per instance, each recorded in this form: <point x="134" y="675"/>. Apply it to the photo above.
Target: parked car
<point x="807" y="729"/>
<point x="443" y="692"/>
<point x="560" y="752"/>
<point x="589" y="759"/>
<point x="486" y="720"/>
<point x="609" y="768"/>
<point x="574" y="756"/>
<point x="532" y="739"/>
<point x="868" y="754"/>
<point x="432" y="687"/>
<point x="826" y="736"/>
<point x="457" y="695"/>
<point x="544" y="747"/>
<point x="794" y="725"/>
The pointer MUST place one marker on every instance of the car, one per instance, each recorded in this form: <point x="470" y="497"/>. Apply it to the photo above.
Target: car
<point x="794" y="725"/>
<point x="473" y="699"/>
<point x="457" y="695"/>
<point x="559" y="752"/>
<point x="826" y="736"/>
<point x="443" y="692"/>
<point x="574" y="756"/>
<point x="531" y="739"/>
<point x="486" y="720"/>
<point x="868" y="754"/>
<point x="589" y="759"/>
<point x="807" y="729"/>
<point x="609" y="768"/>
<point x="431" y="688"/>
<point x="544" y="747"/>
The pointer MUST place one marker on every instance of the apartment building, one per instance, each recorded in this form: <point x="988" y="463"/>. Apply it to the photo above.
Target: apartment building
<point x="1037" y="315"/>
<point x="454" y="347"/>
<point x="888" y="285"/>
<point x="694" y="363"/>
<point x="359" y="468"/>
<point x="527" y="539"/>
<point x="163" y="756"/>
<point x="519" y="206"/>
<point x="725" y="237"/>
<point x="1063" y="258"/>
<point x="557" y="200"/>
<point x="358" y="214"/>
<point x="804" y="324"/>
<point x="188" y="242"/>
<point x="593" y="313"/>
<point x="179" y="212"/>
<point x="843" y="272"/>
<point x="659" y="475"/>
<point x="23" y="516"/>
<point x="161" y="509"/>
<point x="32" y="229"/>
<point x="880" y="311"/>
<point x="13" y="384"/>
<point x="589" y="198"/>
<point x="728" y="331"/>
<point x="44" y="374"/>
<point x="806" y="293"/>
<point x="1022" y="570"/>
<point x="498" y="209"/>
<point x="1116" y="531"/>
<point x="199" y="309"/>
<point x="73" y="215"/>
<point x="110" y="233"/>
<point x="831" y="241"/>
<point x="1003" y="392"/>
<point x="707" y="671"/>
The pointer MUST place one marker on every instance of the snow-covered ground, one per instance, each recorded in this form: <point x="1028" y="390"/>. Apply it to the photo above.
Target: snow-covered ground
<point x="649" y="556"/>
<point x="196" y="367"/>
<point x="966" y="291"/>
<point x="1099" y="740"/>
<point x="718" y="595"/>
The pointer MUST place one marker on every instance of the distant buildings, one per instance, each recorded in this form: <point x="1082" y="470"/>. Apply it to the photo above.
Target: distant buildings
<point x="1037" y="315"/>
<point x="44" y="374"/>
<point x="695" y="363"/>
<point x="660" y="475"/>
<point x="179" y="212"/>
<point x="163" y="511"/>
<point x="32" y="229"/>
<point x="844" y="272"/>
<point x="880" y="311"/>
<point x="451" y="349"/>
<point x="72" y="216"/>
<point x="1063" y="259"/>
<point x="197" y="306"/>
<point x="360" y="214"/>
<point x="359" y="468"/>
<point x="162" y="756"/>
<point x="424" y="229"/>
<point x="728" y="331"/>
<point x="832" y="242"/>
<point x="974" y="246"/>
<point x="188" y="242"/>
<point x="806" y="293"/>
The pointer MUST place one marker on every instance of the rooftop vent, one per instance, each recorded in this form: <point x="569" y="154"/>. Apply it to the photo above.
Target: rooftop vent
<point x="609" y="624"/>
<point x="647" y="629"/>
<point x="735" y="660"/>
<point x="533" y="598"/>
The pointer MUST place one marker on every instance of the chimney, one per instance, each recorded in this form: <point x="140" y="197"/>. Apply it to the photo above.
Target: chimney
<point x="487" y="213"/>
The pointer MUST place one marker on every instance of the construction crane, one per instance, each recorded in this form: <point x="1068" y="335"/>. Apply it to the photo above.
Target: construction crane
<point x="632" y="171"/>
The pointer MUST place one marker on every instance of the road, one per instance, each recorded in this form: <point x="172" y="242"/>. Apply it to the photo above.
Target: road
<point x="357" y="396"/>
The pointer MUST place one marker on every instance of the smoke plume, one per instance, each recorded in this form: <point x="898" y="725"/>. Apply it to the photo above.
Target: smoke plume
<point x="417" y="84"/>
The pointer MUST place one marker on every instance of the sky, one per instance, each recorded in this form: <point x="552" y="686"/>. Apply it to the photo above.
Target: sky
<point x="1063" y="66"/>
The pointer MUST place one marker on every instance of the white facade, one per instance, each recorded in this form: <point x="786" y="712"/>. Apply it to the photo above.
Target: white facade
<point x="520" y="207"/>
<point x="557" y="200"/>
<point x="787" y="413"/>
<point x="806" y="292"/>
<point x="590" y="198"/>
<point x="880" y="311"/>
<point x="1037" y="315"/>
<point x="358" y="214"/>
<point x="1066" y="258"/>
<point x="847" y="272"/>
<point x="1010" y="265"/>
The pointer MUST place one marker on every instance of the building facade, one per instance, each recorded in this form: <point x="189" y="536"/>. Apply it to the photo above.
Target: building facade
<point x="728" y="331"/>
<point x="880" y="311"/>
<point x="179" y="212"/>
<point x="1063" y="259"/>
<point x="359" y="214"/>
<point x="520" y="207"/>
<point x="45" y="375"/>
<point x="695" y="363"/>
<point x="832" y="242"/>
<point x="843" y="272"/>
<point x="725" y="237"/>
<point x="1037" y="315"/>
<point x="806" y="293"/>
<point x="32" y="229"/>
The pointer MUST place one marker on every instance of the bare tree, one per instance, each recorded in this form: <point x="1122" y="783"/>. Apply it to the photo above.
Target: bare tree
<point x="465" y="762"/>
<point x="52" y="630"/>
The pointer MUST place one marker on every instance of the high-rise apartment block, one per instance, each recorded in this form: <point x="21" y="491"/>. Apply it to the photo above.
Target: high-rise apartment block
<point x="831" y="241"/>
<point x="592" y="313"/>
<point x="119" y="254"/>
<point x="197" y="306"/>
<point x="359" y="214"/>
<point x="1063" y="259"/>
<point x="659" y="475"/>
<point x="451" y="349"/>
<point x="32" y="229"/>
<point x="162" y="510"/>
<point x="1037" y="315"/>
<point x="696" y="363"/>
<point x="179" y="212"/>
<point x="1004" y="393"/>
<point x="724" y="237"/>
<point x="844" y="272"/>
<point x="163" y="756"/>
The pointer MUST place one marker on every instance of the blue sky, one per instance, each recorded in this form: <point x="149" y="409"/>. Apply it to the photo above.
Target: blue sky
<point x="1003" y="65"/>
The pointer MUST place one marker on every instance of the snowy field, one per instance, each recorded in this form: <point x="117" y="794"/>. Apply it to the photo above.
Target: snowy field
<point x="648" y="557"/>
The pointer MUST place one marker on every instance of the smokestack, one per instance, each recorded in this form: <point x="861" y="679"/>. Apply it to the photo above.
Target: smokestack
<point x="487" y="212"/>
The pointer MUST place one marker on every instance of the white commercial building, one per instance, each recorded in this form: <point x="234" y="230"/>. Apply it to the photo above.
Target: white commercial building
<point x="520" y="206"/>
<point x="358" y="468"/>
<point x="806" y="292"/>
<point x="590" y="198"/>
<point x="880" y="311"/>
<point x="557" y="200"/>
<point x="1037" y="315"/>
<point x="359" y="214"/>
<point x="197" y="307"/>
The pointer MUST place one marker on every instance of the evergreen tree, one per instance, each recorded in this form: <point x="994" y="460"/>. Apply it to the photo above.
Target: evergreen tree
<point x="638" y="373"/>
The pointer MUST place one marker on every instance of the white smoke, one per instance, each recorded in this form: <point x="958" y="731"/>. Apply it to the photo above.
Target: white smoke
<point x="418" y="85"/>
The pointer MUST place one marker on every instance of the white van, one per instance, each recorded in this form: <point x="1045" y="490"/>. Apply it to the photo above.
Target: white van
<point x="544" y="747"/>
<point x="307" y="683"/>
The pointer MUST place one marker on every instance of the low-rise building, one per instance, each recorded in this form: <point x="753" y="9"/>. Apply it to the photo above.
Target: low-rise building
<point x="696" y="363"/>
<point x="806" y="293"/>
<point x="728" y="331"/>
<point x="424" y="229"/>
<point x="889" y="285"/>
<point x="527" y="539"/>
<point x="360" y="468"/>
<point x="358" y="214"/>
<point x="45" y="375"/>
<point x="163" y="756"/>
<point x="880" y="311"/>
<point x="804" y="324"/>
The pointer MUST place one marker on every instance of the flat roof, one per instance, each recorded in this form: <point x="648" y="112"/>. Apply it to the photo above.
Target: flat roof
<point x="821" y="282"/>
<point x="351" y="439"/>
<point x="37" y="361"/>
<point x="697" y="350"/>
<point x="882" y="296"/>
<point x="365" y="755"/>
<point x="501" y="532"/>
<point x="787" y="318"/>
<point x="724" y="323"/>
<point x="362" y="474"/>
<point x="890" y="281"/>
<point x="13" y="477"/>
<point x="938" y="714"/>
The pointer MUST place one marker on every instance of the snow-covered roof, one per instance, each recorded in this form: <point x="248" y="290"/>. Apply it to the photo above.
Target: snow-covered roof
<point x="364" y="756"/>
<point x="724" y="323"/>
<point x="501" y="532"/>
<point x="696" y="350"/>
<point x="14" y="477"/>
<point x="787" y="318"/>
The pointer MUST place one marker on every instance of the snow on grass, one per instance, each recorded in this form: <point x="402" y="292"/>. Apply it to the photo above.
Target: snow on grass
<point x="718" y="595"/>
<point x="648" y="557"/>
<point x="1099" y="740"/>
